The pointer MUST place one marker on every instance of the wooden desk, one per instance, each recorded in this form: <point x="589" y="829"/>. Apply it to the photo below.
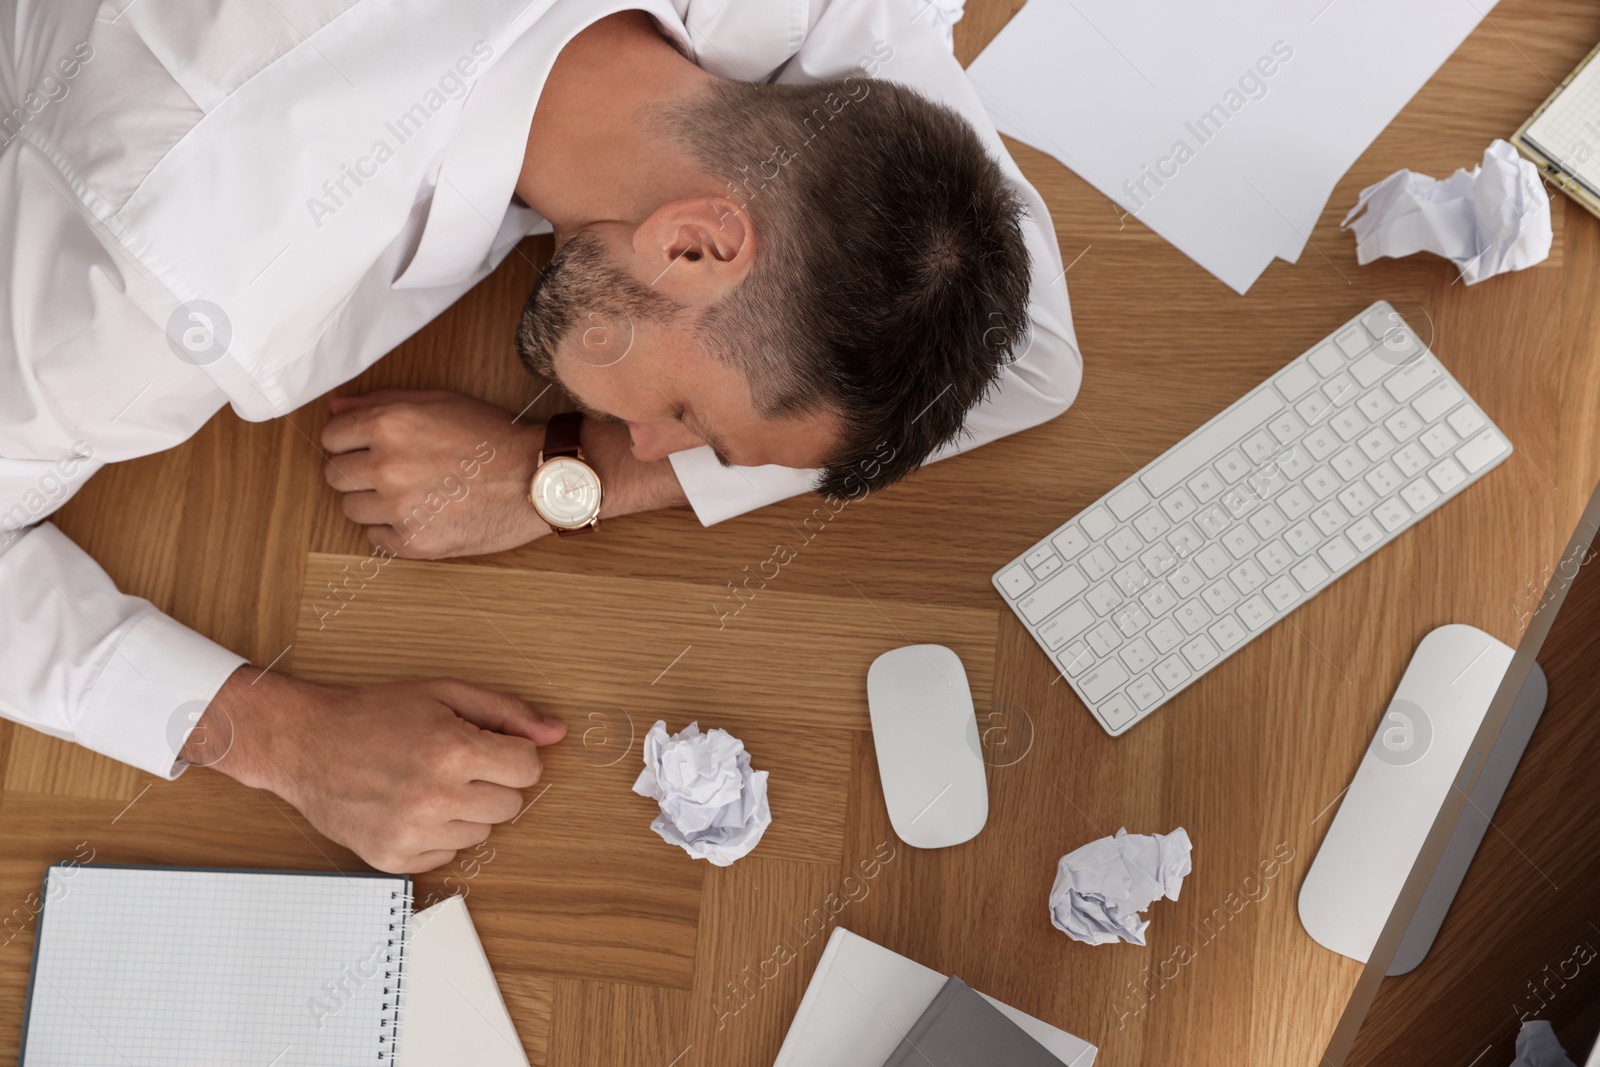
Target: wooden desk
<point x="612" y="948"/>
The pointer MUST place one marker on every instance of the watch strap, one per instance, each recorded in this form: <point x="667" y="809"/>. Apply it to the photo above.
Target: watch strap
<point x="561" y="435"/>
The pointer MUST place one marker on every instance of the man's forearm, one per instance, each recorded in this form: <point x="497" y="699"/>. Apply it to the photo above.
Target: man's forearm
<point x="630" y="485"/>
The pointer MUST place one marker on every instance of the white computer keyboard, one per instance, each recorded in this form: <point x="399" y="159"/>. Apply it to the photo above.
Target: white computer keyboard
<point x="1232" y="528"/>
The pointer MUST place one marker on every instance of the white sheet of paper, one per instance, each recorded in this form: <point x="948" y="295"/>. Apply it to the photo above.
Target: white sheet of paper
<point x="1111" y="89"/>
<point x="1537" y="1046"/>
<point x="1101" y="887"/>
<point x="452" y="1014"/>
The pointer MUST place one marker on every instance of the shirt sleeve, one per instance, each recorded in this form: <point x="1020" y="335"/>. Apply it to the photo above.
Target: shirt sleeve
<point x="1044" y="378"/>
<point x="93" y="665"/>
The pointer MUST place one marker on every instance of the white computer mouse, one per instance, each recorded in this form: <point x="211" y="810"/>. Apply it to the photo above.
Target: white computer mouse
<point x="926" y="734"/>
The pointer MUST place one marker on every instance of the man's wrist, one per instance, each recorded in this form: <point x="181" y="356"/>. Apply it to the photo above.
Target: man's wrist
<point x="630" y="485"/>
<point x="238" y="732"/>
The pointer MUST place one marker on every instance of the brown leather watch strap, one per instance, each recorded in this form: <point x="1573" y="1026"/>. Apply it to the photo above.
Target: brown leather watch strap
<point x="561" y="435"/>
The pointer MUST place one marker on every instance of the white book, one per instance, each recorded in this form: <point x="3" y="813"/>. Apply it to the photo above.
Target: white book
<point x="863" y="999"/>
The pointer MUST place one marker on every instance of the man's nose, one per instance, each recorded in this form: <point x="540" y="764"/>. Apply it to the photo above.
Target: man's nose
<point x="658" y="440"/>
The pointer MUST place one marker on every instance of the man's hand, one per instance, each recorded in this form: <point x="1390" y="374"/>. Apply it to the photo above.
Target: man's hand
<point x="433" y="473"/>
<point x="403" y="774"/>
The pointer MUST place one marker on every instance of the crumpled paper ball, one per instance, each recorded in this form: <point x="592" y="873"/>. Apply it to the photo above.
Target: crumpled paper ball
<point x="1101" y="888"/>
<point x="713" y="806"/>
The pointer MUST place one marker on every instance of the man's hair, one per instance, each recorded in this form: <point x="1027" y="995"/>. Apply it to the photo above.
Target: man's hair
<point x="891" y="282"/>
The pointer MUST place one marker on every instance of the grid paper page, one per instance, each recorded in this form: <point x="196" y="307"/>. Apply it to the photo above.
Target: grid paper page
<point x="175" y="966"/>
<point x="1569" y="129"/>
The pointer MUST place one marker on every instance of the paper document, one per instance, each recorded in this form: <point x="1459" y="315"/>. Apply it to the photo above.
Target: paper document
<point x="452" y="1014"/>
<point x="1223" y="125"/>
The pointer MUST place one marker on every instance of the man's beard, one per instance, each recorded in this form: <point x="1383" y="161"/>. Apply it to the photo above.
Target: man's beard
<point x="579" y="290"/>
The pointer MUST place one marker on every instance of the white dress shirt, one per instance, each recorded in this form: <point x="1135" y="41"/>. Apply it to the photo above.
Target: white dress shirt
<point x="251" y="202"/>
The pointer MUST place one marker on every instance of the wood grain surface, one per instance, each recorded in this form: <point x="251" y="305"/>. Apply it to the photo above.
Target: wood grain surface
<point x="614" y="949"/>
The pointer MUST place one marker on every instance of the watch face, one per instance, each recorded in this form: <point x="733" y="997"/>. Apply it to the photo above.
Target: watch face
<point x="566" y="493"/>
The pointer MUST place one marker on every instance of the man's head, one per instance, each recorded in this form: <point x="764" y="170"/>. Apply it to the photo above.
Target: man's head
<point x="851" y="289"/>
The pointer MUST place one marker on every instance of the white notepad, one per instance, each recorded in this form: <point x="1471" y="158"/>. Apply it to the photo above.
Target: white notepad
<point x="1568" y="130"/>
<point x="212" y="967"/>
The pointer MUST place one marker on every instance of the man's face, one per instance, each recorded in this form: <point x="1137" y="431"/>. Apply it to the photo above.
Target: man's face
<point x="621" y="331"/>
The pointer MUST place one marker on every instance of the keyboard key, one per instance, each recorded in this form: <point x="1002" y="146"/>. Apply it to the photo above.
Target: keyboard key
<point x="1447" y="475"/>
<point x="1243" y="498"/>
<point x="1186" y="580"/>
<point x="1104" y="639"/>
<point x="1310" y="573"/>
<point x="1330" y="517"/>
<point x="1016" y="580"/>
<point x="1481" y="451"/>
<point x="1419" y="494"/>
<point x="1293" y="382"/>
<point x="1066" y="625"/>
<point x="1357" y="498"/>
<point x="1125" y="544"/>
<point x="1116" y="712"/>
<point x="1051" y="564"/>
<point x="1384" y="479"/>
<point x="1466" y="421"/>
<point x="1349" y="463"/>
<point x="1274" y="556"/>
<point x="1151" y="524"/>
<point x="1070" y="542"/>
<point x="1158" y="599"/>
<point x="1206" y="485"/>
<point x="1212" y="520"/>
<point x="1375" y="443"/>
<point x="1438" y="440"/>
<point x="1166" y="635"/>
<point x="1201" y="447"/>
<point x="1434" y="401"/>
<point x="1231" y="466"/>
<point x="1302" y="537"/>
<point x="1179" y="505"/>
<point x="1104" y="598"/>
<point x="1326" y="359"/>
<point x="1268" y="522"/>
<point x="1138" y="655"/>
<point x="1347" y="423"/>
<point x="1213" y="559"/>
<point x="1173" y="673"/>
<point x="1191" y="616"/>
<point x="1226" y="632"/>
<point x="1131" y="579"/>
<point x="1341" y="390"/>
<point x="1320" y="443"/>
<point x="1259" y="446"/>
<point x="1282" y="593"/>
<point x="1200" y="653"/>
<point x="1144" y="691"/>
<point x="1337" y="553"/>
<point x="1404" y="424"/>
<point x="1038" y="556"/>
<point x="1364" y="534"/>
<point x="1375" y="405"/>
<point x="1240" y="541"/>
<point x="1255" y="612"/>
<point x="1097" y="563"/>
<point x="1128" y="501"/>
<point x="1351" y="342"/>
<point x="1097" y="522"/>
<point x="1410" y="380"/>
<point x="1105" y="679"/>
<point x="1369" y="368"/>
<point x="1158" y="560"/>
<point x="1392" y="514"/>
<point x="1412" y="459"/>
<point x="1322" y="482"/>
<point x="1313" y="408"/>
<point x="1247" y="577"/>
<point x="1220" y="596"/>
<point x="1185" y="541"/>
<point x="1295" y="502"/>
<point x="1049" y="597"/>
<point x="1130" y="619"/>
<point x="1286" y="427"/>
<point x="1075" y="658"/>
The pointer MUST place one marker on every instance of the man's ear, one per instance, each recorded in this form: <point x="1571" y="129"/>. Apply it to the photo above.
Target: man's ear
<point x="699" y="248"/>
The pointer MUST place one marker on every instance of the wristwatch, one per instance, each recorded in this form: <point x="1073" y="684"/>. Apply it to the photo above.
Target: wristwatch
<point x="565" y="489"/>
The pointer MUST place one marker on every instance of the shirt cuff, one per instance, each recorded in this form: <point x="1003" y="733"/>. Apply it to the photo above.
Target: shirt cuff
<point x="143" y="706"/>
<point x="717" y="492"/>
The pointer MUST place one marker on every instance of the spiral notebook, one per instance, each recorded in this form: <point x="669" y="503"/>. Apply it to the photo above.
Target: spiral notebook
<point x="212" y="967"/>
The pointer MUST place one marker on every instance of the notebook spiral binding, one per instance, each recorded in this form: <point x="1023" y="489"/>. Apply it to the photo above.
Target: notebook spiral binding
<point x="394" y="973"/>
